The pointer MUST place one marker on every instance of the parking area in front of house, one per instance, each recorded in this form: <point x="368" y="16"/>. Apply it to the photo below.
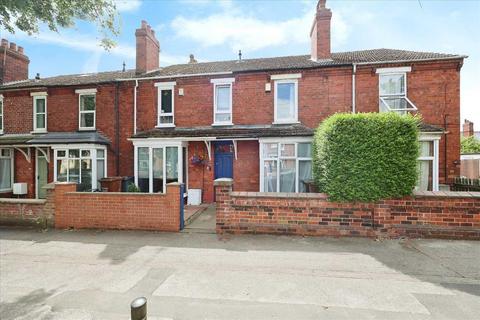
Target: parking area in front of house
<point x="95" y="275"/>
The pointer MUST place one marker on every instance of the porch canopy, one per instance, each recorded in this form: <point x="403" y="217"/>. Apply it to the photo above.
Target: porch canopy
<point x="207" y="134"/>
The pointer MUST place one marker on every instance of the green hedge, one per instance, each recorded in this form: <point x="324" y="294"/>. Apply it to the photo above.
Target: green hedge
<point x="366" y="157"/>
<point x="470" y="145"/>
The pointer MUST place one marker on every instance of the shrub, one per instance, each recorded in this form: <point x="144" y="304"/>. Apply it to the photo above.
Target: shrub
<point x="132" y="187"/>
<point x="470" y="145"/>
<point x="366" y="157"/>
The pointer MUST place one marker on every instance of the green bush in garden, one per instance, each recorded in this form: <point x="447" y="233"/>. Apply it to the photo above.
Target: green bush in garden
<point x="470" y="145"/>
<point x="367" y="156"/>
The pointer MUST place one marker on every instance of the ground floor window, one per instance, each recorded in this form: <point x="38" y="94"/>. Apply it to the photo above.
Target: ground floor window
<point x="156" y="166"/>
<point x="285" y="166"/>
<point x="6" y="169"/>
<point x="84" y="166"/>
<point x="428" y="164"/>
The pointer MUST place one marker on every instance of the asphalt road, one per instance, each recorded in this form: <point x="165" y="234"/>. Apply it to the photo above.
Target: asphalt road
<point x="95" y="275"/>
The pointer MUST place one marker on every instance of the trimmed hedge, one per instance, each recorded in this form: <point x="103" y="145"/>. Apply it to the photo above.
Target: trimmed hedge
<point x="366" y="156"/>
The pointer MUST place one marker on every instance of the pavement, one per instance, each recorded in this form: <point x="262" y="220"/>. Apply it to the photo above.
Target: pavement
<point x="95" y="275"/>
<point x="202" y="221"/>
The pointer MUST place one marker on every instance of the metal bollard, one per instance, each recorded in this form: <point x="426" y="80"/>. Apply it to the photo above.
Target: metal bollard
<point x="138" y="309"/>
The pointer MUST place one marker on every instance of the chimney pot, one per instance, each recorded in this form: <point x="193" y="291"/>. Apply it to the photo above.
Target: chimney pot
<point x="320" y="32"/>
<point x="192" y="59"/>
<point x="4" y="43"/>
<point x="13" y="46"/>
<point x="148" y="49"/>
<point x="20" y="49"/>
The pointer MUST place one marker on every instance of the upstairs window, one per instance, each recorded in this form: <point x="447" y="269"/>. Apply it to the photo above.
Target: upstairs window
<point x="286" y="98"/>
<point x="393" y="90"/>
<point x="1" y="114"/>
<point x="222" y="101"/>
<point x="39" y="111"/>
<point x="166" y="99"/>
<point x="87" y="106"/>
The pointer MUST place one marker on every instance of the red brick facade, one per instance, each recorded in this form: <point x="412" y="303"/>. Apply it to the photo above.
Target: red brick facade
<point x="111" y="210"/>
<point x="428" y="214"/>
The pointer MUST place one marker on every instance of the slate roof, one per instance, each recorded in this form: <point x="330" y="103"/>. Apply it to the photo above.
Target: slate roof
<point x="245" y="131"/>
<point x="235" y="131"/>
<point x="70" y="137"/>
<point x="245" y="65"/>
<point x="14" y="139"/>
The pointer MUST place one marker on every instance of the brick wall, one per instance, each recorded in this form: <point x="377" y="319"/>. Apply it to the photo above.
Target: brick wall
<point x="29" y="212"/>
<point x="427" y="214"/>
<point x="14" y="66"/>
<point x="111" y="210"/>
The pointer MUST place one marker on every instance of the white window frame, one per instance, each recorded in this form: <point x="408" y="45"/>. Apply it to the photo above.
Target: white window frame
<point x="142" y="143"/>
<point x="2" y="114"/>
<point x="86" y="92"/>
<point x="435" y="139"/>
<point x="161" y="86"/>
<point x="281" y="79"/>
<point x="11" y="157"/>
<point x="399" y="71"/>
<point x="93" y="156"/>
<point x="297" y="159"/>
<point x="37" y="96"/>
<point x="222" y="82"/>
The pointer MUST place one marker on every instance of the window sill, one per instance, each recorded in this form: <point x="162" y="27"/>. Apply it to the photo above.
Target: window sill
<point x="87" y="129"/>
<point x="165" y="126"/>
<point x="286" y="122"/>
<point x="6" y="190"/>
<point x="222" y="124"/>
<point x="38" y="131"/>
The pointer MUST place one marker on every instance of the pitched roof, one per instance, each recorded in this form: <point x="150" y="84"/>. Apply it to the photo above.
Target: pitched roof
<point x="246" y="65"/>
<point x="235" y="131"/>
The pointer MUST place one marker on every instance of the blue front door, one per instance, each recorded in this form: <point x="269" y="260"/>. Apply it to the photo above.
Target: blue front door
<point x="223" y="159"/>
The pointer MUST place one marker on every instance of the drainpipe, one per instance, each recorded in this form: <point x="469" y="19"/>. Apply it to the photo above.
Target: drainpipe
<point x="354" y="71"/>
<point x="135" y="107"/>
<point x="117" y="130"/>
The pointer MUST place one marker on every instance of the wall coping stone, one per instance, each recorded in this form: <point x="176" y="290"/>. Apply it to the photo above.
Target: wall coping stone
<point x="117" y="193"/>
<point x="290" y="195"/>
<point x="446" y="194"/>
<point x="223" y="182"/>
<point x="22" y="201"/>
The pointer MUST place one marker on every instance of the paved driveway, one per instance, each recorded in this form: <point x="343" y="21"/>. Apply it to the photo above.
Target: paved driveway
<point x="95" y="275"/>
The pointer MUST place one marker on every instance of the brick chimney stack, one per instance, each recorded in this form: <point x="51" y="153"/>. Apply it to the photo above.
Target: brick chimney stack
<point x="468" y="128"/>
<point x="148" y="49"/>
<point x="13" y="62"/>
<point x="320" y="32"/>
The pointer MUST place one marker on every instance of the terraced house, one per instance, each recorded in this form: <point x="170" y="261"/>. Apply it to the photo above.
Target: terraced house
<point x="251" y="119"/>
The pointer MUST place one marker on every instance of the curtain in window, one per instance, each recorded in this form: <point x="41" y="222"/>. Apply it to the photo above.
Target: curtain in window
<point x="157" y="170"/>
<point x="5" y="173"/>
<point x="287" y="176"/>
<point x="270" y="176"/>
<point x="304" y="174"/>
<point x="172" y="164"/>
<point x="424" y="182"/>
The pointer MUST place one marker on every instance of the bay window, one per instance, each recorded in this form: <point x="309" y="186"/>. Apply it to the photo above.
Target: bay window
<point x="222" y="101"/>
<point x="6" y="169"/>
<point x="39" y="111"/>
<point x="85" y="165"/>
<point x="156" y="165"/>
<point x="428" y="164"/>
<point x="286" y="98"/>
<point x="285" y="166"/>
<point x="166" y="105"/>
<point x="393" y="90"/>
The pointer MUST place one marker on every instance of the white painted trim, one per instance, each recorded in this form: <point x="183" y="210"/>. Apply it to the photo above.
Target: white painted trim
<point x="475" y="156"/>
<point x="286" y="76"/>
<point x="169" y="84"/>
<point x="86" y="91"/>
<point x="230" y="85"/>
<point x="89" y="111"/>
<point x="34" y="94"/>
<point x="164" y="87"/>
<point x="12" y="172"/>
<point x="78" y="146"/>
<point x="393" y="70"/>
<point x="222" y="80"/>
<point x="281" y="121"/>
<point x="35" y="129"/>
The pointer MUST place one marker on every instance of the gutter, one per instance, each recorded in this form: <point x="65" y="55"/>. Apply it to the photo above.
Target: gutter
<point x="177" y="76"/>
<point x="117" y="129"/>
<point x="412" y="61"/>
